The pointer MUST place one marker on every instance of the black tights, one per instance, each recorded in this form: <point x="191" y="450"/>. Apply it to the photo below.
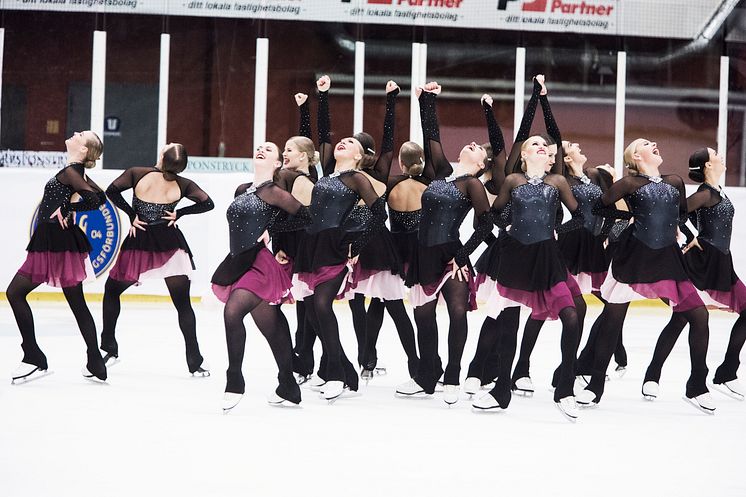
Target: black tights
<point x="727" y="371"/>
<point x="507" y="329"/>
<point x="586" y="357"/>
<point x="698" y="341"/>
<point x="17" y="292"/>
<point x="498" y="335"/>
<point x="178" y="289"/>
<point x="373" y="323"/>
<point x="531" y="334"/>
<point x="335" y="366"/>
<point x="456" y="295"/>
<point x="275" y="331"/>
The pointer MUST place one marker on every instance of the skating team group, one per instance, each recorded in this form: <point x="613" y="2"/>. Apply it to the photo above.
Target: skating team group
<point x="297" y="237"/>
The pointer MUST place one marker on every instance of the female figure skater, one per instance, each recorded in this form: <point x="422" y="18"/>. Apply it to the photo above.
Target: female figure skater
<point x="297" y="176"/>
<point x="58" y="256"/>
<point x="710" y="266"/>
<point x="648" y="264"/>
<point x="328" y="248"/>
<point x="250" y="280"/>
<point x="442" y="265"/>
<point x="548" y="289"/>
<point x="155" y="248"/>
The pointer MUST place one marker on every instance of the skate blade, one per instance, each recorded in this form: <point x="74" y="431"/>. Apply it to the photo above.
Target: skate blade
<point x="229" y="405"/>
<point x="379" y="372"/>
<point x="95" y="379"/>
<point x="591" y="405"/>
<point x="572" y="419"/>
<point x="416" y="395"/>
<point x="619" y="373"/>
<point x="34" y="375"/>
<point x="727" y="391"/>
<point x="284" y="404"/>
<point x="697" y="406"/>
<point x="524" y="393"/>
<point x="205" y="373"/>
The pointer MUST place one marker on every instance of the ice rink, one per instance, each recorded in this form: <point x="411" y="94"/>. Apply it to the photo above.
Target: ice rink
<point x="154" y="430"/>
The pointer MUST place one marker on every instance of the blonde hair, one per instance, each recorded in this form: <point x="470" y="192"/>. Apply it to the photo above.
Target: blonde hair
<point x="412" y="158"/>
<point x="95" y="148"/>
<point x="305" y="144"/>
<point x="629" y="152"/>
<point x="524" y="146"/>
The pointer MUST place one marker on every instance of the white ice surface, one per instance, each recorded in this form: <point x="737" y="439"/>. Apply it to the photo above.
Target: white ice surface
<point x="154" y="430"/>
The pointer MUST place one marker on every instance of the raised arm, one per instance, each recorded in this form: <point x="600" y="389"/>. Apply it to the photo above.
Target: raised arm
<point x="606" y="207"/>
<point x="323" y="119"/>
<point x="497" y="143"/>
<point x="553" y="131"/>
<point x="202" y="201"/>
<point x="304" y="127"/>
<point x="381" y="168"/>
<point x="434" y="157"/>
<point x="524" y="131"/>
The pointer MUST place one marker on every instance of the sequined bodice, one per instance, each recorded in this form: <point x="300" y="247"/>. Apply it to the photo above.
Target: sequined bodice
<point x="331" y="203"/>
<point x="617" y="229"/>
<point x="444" y="208"/>
<point x="534" y="208"/>
<point x="248" y="217"/>
<point x="359" y="217"/>
<point x="655" y="207"/>
<point x="150" y="212"/>
<point x="715" y="224"/>
<point x="55" y="195"/>
<point x="404" y="222"/>
<point x="587" y="195"/>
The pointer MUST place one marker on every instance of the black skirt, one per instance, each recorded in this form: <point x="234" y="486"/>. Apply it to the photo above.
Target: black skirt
<point x="381" y="254"/>
<point x="51" y="237"/>
<point x="583" y="252"/>
<point x="709" y="268"/>
<point x="157" y="238"/>
<point x="288" y="242"/>
<point x="325" y="248"/>
<point x="635" y="262"/>
<point x="489" y="261"/>
<point x="407" y="246"/>
<point x="534" y="267"/>
<point x="234" y="267"/>
<point x="429" y="263"/>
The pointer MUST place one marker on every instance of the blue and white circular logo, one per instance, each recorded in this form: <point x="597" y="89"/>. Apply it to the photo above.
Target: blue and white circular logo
<point x="101" y="227"/>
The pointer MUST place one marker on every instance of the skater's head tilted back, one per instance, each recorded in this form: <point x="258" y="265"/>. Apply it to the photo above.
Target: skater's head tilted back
<point x="706" y="166"/>
<point x="173" y="160"/>
<point x="642" y="157"/>
<point x="535" y="156"/>
<point x="84" y="147"/>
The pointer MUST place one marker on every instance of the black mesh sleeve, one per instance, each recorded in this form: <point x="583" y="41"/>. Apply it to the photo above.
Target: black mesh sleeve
<point x="324" y="124"/>
<point x="202" y="201"/>
<point x="125" y="181"/>
<point x="483" y="228"/>
<point x="304" y="128"/>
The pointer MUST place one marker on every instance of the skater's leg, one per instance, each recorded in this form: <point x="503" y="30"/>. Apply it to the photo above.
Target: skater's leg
<point x="664" y="346"/>
<point x="373" y="323"/>
<point x="456" y="295"/>
<point x="728" y="370"/>
<point x="16" y="293"/>
<point x="113" y="290"/>
<point x="357" y="307"/>
<point x="429" y="369"/>
<point x="405" y="330"/>
<point x="178" y="288"/>
<point x="76" y="301"/>
<point x="240" y="303"/>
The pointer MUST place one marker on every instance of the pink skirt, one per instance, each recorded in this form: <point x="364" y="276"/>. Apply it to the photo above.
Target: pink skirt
<point x="266" y="279"/>
<point x="138" y="265"/>
<point x="420" y="295"/>
<point x="372" y="283"/>
<point x="681" y="295"/>
<point x="58" y="269"/>
<point x="590" y="282"/>
<point x="305" y="283"/>
<point x="733" y="300"/>
<point x="545" y="305"/>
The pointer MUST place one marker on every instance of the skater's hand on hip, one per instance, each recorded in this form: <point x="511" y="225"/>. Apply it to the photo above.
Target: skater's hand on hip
<point x="136" y="225"/>
<point x="282" y="257"/>
<point x="462" y="273"/>
<point x="693" y="243"/>
<point x="170" y="217"/>
<point x="60" y="218"/>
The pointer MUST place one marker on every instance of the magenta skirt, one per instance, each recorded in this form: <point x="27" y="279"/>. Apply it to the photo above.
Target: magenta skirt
<point x="733" y="300"/>
<point x="306" y="283"/>
<point x="58" y="269"/>
<point x="545" y="305"/>
<point x="681" y="295"/>
<point x="266" y="279"/>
